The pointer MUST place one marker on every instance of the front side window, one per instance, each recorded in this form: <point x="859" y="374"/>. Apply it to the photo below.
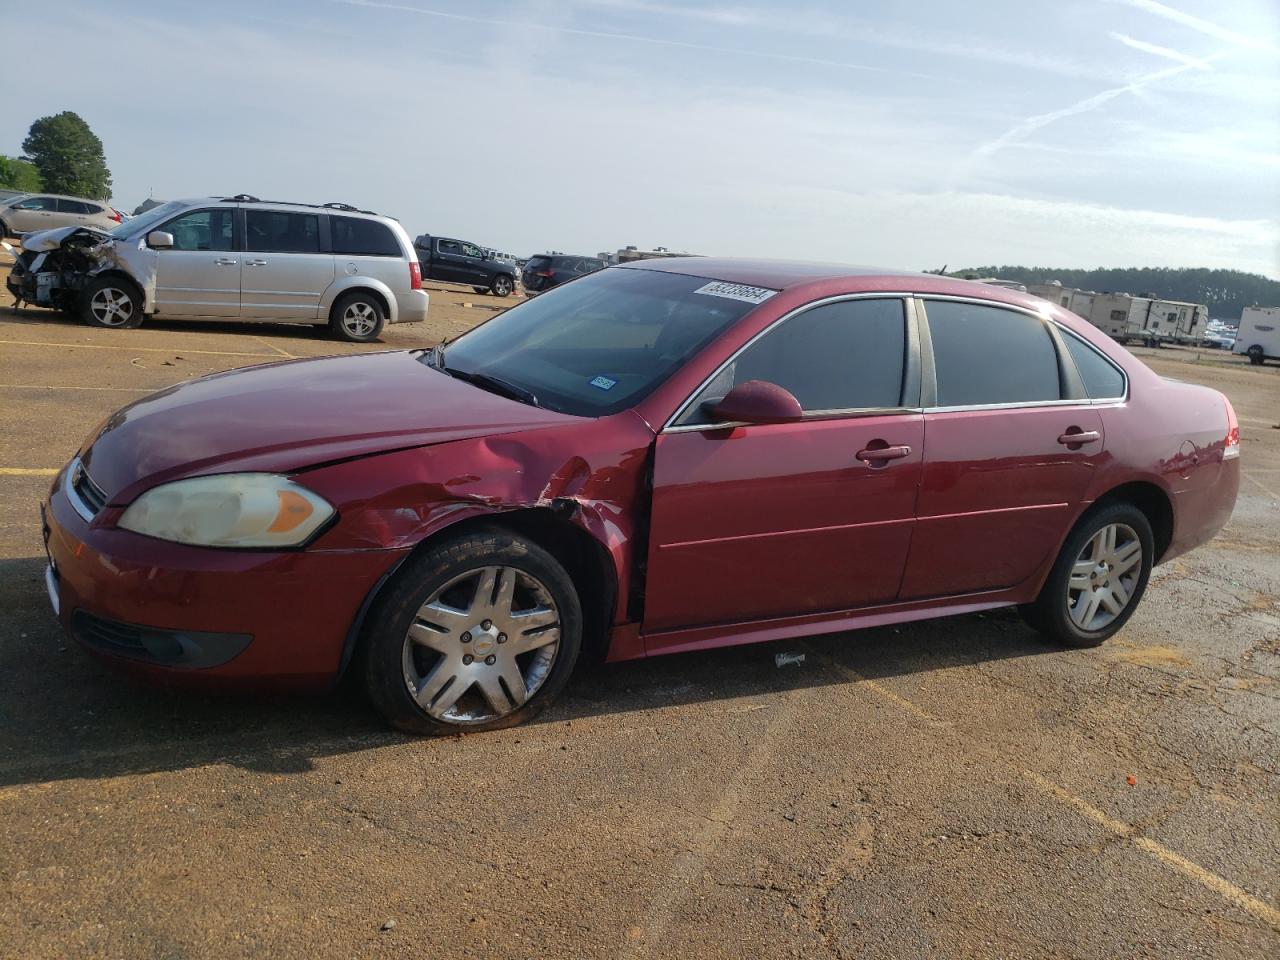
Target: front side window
<point x="1103" y="380"/>
<point x="37" y="203"/>
<point x="985" y="355"/>
<point x="353" y="236"/>
<point x="279" y="231"/>
<point x="848" y="355"/>
<point x="600" y="344"/>
<point x="202" y="230"/>
<point x="471" y="250"/>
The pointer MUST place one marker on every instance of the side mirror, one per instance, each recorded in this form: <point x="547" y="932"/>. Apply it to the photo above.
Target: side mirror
<point x="757" y="401"/>
<point x="159" y="240"/>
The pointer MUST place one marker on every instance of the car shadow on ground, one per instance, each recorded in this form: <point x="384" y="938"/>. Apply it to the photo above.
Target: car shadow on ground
<point x="66" y="715"/>
<point x="39" y="316"/>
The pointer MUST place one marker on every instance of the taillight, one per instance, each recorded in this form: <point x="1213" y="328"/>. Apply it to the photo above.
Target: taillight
<point x="1232" y="448"/>
<point x="415" y="275"/>
<point x="546" y="273"/>
<point x="115" y="215"/>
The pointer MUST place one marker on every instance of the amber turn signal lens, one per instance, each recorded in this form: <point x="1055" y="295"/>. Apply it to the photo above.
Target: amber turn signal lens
<point x="293" y="511"/>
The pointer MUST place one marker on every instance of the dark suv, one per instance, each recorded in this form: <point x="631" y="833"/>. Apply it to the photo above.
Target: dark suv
<point x="548" y="270"/>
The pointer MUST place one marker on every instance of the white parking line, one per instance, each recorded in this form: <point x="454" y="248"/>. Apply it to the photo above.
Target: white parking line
<point x="1250" y="477"/>
<point x="112" y="346"/>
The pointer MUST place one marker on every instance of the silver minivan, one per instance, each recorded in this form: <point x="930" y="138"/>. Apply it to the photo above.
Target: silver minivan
<point x="240" y="258"/>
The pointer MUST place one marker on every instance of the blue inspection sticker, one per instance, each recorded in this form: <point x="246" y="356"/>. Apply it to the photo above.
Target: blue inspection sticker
<point x="604" y="383"/>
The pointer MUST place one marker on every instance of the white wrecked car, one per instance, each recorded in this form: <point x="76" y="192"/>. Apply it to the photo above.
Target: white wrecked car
<point x="229" y="258"/>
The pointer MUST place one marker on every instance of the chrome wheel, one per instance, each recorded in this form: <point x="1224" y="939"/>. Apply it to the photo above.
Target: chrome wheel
<point x="501" y="286"/>
<point x="112" y="307"/>
<point x="1104" y="577"/>
<point x="481" y="645"/>
<point x="359" y="319"/>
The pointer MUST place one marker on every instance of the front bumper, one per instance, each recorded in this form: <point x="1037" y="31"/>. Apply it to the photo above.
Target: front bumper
<point x="170" y="611"/>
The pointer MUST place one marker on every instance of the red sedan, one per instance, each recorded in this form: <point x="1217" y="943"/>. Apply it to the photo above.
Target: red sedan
<point x="651" y="459"/>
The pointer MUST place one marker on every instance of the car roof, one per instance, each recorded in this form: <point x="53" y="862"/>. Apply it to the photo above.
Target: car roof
<point x="790" y="274"/>
<point x="243" y="200"/>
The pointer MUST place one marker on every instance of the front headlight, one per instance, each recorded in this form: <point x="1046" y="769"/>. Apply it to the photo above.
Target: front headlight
<point x="229" y="510"/>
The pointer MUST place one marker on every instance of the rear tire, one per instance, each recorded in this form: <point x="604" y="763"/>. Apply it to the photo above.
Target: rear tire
<point x="501" y="286"/>
<point x="480" y="289"/>
<point x="357" y="317"/>
<point x="111" y="302"/>
<point x="436" y="659"/>
<point x="4" y="230"/>
<point x="1256" y="355"/>
<point x="1098" y="579"/>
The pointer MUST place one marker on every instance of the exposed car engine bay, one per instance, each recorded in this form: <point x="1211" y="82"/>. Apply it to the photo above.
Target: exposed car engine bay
<point x="54" y="266"/>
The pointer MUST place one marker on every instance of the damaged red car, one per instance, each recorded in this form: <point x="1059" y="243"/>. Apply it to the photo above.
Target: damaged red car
<point x="655" y="458"/>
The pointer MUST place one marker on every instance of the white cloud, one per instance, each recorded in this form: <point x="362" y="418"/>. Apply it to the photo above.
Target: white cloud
<point x="1159" y="51"/>
<point x="1200" y="25"/>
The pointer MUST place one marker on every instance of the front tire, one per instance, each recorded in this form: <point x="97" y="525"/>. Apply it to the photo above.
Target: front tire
<point x="501" y="286"/>
<point x="479" y="632"/>
<point x="1098" y="579"/>
<point x="111" y="302"/>
<point x="357" y="317"/>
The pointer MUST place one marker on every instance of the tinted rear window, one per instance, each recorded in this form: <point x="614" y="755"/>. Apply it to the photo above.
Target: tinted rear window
<point x="366" y="238"/>
<point x="277" y="231"/>
<point x="986" y="355"/>
<point x="1102" y="379"/>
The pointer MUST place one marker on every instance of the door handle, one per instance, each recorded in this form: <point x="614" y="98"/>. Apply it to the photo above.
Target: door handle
<point x="1079" y="437"/>
<point x="873" y="454"/>
<point x="225" y="262"/>
<point x="256" y="263"/>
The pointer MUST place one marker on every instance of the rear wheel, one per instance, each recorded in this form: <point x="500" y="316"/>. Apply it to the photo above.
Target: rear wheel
<point x="1098" y="579"/>
<point x="357" y="317"/>
<point x="501" y="286"/>
<point x="480" y="289"/>
<point x="111" y="302"/>
<point x="1256" y="355"/>
<point x="4" y="230"/>
<point x="478" y="633"/>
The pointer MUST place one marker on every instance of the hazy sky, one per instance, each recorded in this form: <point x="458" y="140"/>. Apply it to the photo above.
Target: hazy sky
<point x="1052" y="132"/>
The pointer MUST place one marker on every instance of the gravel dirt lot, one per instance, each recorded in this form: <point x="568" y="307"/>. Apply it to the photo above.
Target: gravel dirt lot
<point x="952" y="788"/>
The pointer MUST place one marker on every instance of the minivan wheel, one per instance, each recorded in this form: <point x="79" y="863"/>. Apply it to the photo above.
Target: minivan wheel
<point x="1098" y="579"/>
<point x="479" y="632"/>
<point x="1256" y="355"/>
<point x="501" y="285"/>
<point x="357" y="317"/>
<point x="111" y="302"/>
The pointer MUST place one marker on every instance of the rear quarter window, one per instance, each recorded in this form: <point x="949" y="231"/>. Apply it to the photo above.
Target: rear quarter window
<point x="353" y="236"/>
<point x="1103" y="380"/>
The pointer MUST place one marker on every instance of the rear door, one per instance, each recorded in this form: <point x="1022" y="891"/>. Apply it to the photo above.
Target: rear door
<point x="768" y="520"/>
<point x="285" y="273"/>
<point x="199" y="276"/>
<point x="448" y="262"/>
<point x="1002" y="474"/>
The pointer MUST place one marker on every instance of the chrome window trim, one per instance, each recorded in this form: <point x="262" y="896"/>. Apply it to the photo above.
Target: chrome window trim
<point x="908" y="317"/>
<point x="813" y="416"/>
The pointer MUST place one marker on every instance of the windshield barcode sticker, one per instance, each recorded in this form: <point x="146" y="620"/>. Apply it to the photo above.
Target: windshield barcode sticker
<point x="736" y="291"/>
<point x="604" y="383"/>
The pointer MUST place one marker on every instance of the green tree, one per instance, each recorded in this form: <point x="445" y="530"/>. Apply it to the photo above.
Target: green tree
<point x="18" y="174"/>
<point x="69" y="156"/>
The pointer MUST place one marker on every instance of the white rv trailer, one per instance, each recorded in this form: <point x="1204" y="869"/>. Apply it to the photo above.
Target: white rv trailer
<point x="1259" y="335"/>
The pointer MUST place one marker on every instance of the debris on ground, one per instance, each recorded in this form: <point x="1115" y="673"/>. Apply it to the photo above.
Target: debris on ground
<point x="786" y="659"/>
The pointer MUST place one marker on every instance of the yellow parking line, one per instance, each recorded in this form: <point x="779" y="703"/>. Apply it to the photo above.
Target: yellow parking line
<point x="1206" y="878"/>
<point x="27" y="471"/>
<point x="112" y="346"/>
<point x="268" y="343"/>
<point x="50" y="386"/>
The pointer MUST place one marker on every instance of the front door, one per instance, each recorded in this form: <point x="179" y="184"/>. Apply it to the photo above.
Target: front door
<point x="199" y="276"/>
<point x="284" y="274"/>
<point x="769" y="520"/>
<point x="1002" y="474"/>
<point x="34" y="213"/>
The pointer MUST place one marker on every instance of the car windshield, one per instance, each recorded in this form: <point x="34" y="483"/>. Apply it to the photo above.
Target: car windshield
<point x="599" y="344"/>
<point x="144" y="221"/>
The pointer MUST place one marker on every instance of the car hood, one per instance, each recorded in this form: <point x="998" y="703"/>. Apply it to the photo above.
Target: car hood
<point x="42" y="241"/>
<point x="282" y="417"/>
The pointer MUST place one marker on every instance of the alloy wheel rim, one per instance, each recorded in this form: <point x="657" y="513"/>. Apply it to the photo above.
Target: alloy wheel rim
<point x="502" y="285"/>
<point x="359" y="319"/>
<point x="1104" y="577"/>
<point x="481" y="645"/>
<point x="111" y="306"/>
